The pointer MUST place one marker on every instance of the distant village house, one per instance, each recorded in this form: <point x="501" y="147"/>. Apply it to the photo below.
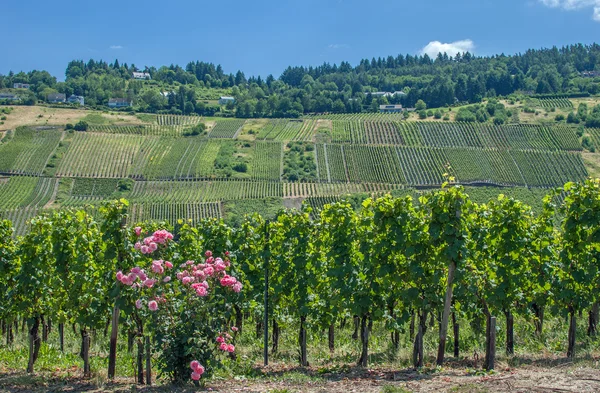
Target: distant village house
<point x="76" y="99"/>
<point x="55" y="98"/>
<point x="390" y="108"/>
<point x="377" y="94"/>
<point x="21" y="86"/>
<point x="119" y="103"/>
<point x="226" y="100"/>
<point x="141" y="75"/>
<point x="9" y="96"/>
<point x="590" y="74"/>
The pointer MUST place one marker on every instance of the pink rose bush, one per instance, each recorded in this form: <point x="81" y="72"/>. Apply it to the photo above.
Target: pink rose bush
<point x="192" y="295"/>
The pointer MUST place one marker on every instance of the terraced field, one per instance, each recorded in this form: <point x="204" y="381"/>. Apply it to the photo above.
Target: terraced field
<point x="192" y="177"/>
<point x="26" y="150"/>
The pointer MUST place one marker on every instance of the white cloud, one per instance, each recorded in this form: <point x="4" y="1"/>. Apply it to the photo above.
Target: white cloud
<point x="452" y="48"/>
<point x="339" y="46"/>
<point x="116" y="47"/>
<point x="575" y="5"/>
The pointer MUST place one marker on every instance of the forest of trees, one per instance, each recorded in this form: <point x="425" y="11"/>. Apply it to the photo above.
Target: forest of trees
<point x="342" y="88"/>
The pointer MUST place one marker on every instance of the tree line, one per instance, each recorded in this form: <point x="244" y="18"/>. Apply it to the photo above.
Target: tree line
<point x="441" y="81"/>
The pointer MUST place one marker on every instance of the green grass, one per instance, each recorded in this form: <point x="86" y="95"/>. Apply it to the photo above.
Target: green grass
<point x="96" y="118"/>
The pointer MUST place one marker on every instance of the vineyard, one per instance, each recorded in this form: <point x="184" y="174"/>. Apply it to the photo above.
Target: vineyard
<point x="326" y="156"/>
<point x="556" y="102"/>
<point x="226" y="128"/>
<point x="26" y="151"/>
<point x="433" y="279"/>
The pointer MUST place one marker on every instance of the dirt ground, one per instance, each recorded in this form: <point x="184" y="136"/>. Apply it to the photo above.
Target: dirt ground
<point x="563" y="377"/>
<point x="41" y="116"/>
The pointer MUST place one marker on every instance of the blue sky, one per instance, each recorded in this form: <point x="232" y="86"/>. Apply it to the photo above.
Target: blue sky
<point x="265" y="36"/>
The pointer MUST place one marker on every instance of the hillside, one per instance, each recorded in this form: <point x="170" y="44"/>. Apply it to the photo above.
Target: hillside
<point x="239" y="166"/>
<point x="195" y="88"/>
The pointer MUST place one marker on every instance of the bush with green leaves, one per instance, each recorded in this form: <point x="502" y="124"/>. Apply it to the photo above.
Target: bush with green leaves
<point x="182" y="305"/>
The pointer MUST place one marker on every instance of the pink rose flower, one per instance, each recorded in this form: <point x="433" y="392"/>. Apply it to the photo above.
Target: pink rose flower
<point x="167" y="279"/>
<point x="208" y="253"/>
<point x="169" y="265"/>
<point x="152" y="305"/>
<point x="234" y="329"/>
<point x="223" y="347"/>
<point x="209" y="271"/>
<point x="138" y="246"/>
<point x="138" y="304"/>
<point x="231" y="348"/>
<point x="138" y="231"/>
<point x="157" y="267"/>
<point x="119" y="275"/>
<point x="196" y="376"/>
<point x="194" y="364"/>
<point x="237" y="287"/>
<point x="220" y="340"/>
<point x="201" y="291"/>
<point x="149" y="283"/>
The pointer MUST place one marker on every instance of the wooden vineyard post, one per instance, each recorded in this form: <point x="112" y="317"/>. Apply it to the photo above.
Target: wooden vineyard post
<point x="266" y="316"/>
<point x="446" y="314"/>
<point x="86" y="355"/>
<point x="112" y="356"/>
<point x="148" y="363"/>
<point x="490" y="351"/>
<point x="456" y="327"/>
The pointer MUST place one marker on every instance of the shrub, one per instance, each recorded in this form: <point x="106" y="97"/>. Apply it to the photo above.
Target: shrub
<point x="183" y="305"/>
<point x="81" y="126"/>
<point x="587" y="144"/>
<point x="422" y="115"/>
<point x="241" y="167"/>
<point x="125" y="184"/>
<point x="437" y="114"/>
<point x="420" y="105"/>
<point x="69" y="126"/>
<point x="559" y="117"/>
<point x="198" y="129"/>
<point x="572" y="118"/>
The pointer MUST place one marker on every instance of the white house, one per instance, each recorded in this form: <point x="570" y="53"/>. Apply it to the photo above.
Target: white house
<point x="385" y="93"/>
<point x="76" y="99"/>
<point x="226" y="100"/>
<point x="141" y="75"/>
<point x="390" y="108"/>
<point x="21" y="86"/>
<point x="118" y="103"/>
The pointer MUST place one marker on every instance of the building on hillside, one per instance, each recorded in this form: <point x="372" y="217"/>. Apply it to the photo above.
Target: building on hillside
<point x="377" y="94"/>
<point x="141" y="75"/>
<point x="55" y="98"/>
<point x="390" y="108"/>
<point x="21" y="86"/>
<point x="119" y="103"/>
<point x="76" y="99"/>
<point x="226" y="100"/>
<point x="9" y="96"/>
<point x="590" y="74"/>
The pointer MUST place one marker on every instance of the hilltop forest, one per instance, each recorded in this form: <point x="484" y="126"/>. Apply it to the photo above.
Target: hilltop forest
<point x="440" y="81"/>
